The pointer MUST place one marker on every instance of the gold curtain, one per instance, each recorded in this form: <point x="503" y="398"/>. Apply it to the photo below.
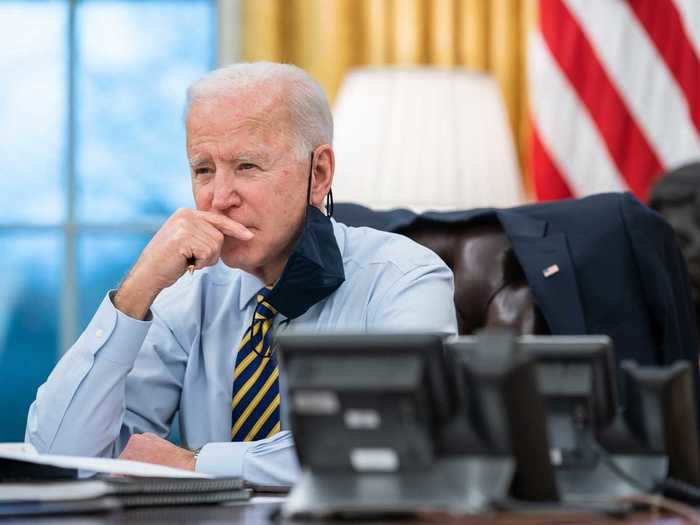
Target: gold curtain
<point x="328" y="37"/>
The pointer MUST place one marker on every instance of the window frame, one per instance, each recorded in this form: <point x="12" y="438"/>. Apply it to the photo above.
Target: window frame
<point x="226" y="21"/>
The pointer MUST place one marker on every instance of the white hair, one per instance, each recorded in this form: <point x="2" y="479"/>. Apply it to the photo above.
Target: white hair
<point x="310" y="116"/>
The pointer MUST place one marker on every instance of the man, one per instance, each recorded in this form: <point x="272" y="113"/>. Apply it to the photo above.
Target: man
<point x="265" y="258"/>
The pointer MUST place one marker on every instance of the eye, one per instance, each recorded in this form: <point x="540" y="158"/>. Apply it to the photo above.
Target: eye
<point x="247" y="166"/>
<point x="201" y="171"/>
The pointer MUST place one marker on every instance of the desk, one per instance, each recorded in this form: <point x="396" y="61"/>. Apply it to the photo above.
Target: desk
<point x="259" y="512"/>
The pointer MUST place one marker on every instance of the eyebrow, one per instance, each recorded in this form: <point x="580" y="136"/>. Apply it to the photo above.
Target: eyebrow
<point x="246" y="156"/>
<point x="197" y="160"/>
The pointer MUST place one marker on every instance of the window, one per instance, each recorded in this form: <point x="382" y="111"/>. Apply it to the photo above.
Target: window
<point x="94" y="161"/>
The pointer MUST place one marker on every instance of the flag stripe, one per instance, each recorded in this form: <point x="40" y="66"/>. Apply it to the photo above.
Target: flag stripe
<point x="566" y="128"/>
<point x="628" y="147"/>
<point x="639" y="77"/>
<point x="663" y="24"/>
<point x="690" y="18"/>
<point x="615" y="92"/>
<point x="549" y="182"/>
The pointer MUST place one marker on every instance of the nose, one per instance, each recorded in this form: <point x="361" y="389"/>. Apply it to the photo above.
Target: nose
<point x="225" y="194"/>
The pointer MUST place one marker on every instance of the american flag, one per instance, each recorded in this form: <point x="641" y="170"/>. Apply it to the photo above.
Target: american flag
<point x="614" y="94"/>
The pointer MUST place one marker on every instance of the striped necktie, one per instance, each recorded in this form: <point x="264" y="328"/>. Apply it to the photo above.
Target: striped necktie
<point x="256" y="397"/>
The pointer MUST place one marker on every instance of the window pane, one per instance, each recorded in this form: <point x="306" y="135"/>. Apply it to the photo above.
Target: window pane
<point x="103" y="261"/>
<point x="136" y="60"/>
<point x="29" y="319"/>
<point x="32" y="110"/>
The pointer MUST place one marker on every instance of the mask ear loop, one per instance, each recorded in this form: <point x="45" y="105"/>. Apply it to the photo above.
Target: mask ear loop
<point x="329" y="203"/>
<point x="311" y="173"/>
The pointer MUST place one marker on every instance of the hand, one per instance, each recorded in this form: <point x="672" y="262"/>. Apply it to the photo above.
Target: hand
<point x="187" y="233"/>
<point x="149" y="448"/>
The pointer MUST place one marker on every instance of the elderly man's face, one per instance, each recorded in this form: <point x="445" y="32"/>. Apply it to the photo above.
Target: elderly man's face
<point x="243" y="166"/>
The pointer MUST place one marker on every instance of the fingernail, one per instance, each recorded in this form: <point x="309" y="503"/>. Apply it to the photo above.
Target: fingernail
<point x="247" y="234"/>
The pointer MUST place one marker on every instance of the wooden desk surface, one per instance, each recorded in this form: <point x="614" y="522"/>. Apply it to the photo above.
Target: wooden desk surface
<point x="259" y="513"/>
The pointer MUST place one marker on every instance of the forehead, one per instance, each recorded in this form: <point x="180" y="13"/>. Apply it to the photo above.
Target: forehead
<point x="232" y="123"/>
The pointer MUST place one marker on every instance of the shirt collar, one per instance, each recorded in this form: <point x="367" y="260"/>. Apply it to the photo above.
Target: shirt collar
<point x="250" y="285"/>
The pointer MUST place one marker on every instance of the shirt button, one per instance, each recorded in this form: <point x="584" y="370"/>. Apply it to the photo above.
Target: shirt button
<point x="99" y="332"/>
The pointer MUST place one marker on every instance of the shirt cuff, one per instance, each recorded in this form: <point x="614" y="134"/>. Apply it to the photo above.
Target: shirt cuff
<point x="223" y="459"/>
<point x="112" y="335"/>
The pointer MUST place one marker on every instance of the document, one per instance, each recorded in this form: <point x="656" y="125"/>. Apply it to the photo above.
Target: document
<point x="87" y="467"/>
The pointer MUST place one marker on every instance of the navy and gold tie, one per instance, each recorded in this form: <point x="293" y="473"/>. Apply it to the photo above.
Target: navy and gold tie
<point x="256" y="397"/>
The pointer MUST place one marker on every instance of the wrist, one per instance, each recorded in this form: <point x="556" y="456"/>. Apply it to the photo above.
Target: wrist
<point x="134" y="298"/>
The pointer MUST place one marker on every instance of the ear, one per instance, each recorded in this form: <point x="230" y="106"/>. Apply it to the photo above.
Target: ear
<point x="323" y="170"/>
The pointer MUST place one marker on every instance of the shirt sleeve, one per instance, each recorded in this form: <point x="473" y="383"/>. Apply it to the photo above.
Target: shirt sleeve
<point x="91" y="404"/>
<point x="270" y="461"/>
<point x="420" y="300"/>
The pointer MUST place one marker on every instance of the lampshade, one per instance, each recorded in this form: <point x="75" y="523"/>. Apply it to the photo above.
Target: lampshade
<point x="423" y="138"/>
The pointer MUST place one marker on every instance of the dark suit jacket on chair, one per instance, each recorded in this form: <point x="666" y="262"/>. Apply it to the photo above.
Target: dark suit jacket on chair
<point x="613" y="267"/>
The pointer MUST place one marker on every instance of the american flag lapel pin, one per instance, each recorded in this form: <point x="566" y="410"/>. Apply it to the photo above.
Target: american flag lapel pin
<point x="550" y="270"/>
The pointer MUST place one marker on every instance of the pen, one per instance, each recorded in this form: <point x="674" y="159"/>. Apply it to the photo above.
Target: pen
<point x="191" y="263"/>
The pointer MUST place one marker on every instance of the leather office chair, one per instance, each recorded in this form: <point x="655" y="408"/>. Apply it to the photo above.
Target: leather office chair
<point x="604" y="264"/>
<point x="490" y="286"/>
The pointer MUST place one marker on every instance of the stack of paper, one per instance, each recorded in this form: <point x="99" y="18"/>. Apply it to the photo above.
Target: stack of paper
<point x="33" y="483"/>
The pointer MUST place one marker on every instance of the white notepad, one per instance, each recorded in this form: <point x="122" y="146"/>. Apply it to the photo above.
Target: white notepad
<point x="89" y="466"/>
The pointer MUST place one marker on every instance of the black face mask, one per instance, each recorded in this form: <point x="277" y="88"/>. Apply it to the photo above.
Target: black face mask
<point x="315" y="267"/>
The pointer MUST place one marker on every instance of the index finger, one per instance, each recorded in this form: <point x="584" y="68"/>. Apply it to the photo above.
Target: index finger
<point x="225" y="225"/>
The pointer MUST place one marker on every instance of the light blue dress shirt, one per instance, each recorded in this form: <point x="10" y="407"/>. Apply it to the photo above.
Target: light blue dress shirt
<point x="124" y="376"/>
